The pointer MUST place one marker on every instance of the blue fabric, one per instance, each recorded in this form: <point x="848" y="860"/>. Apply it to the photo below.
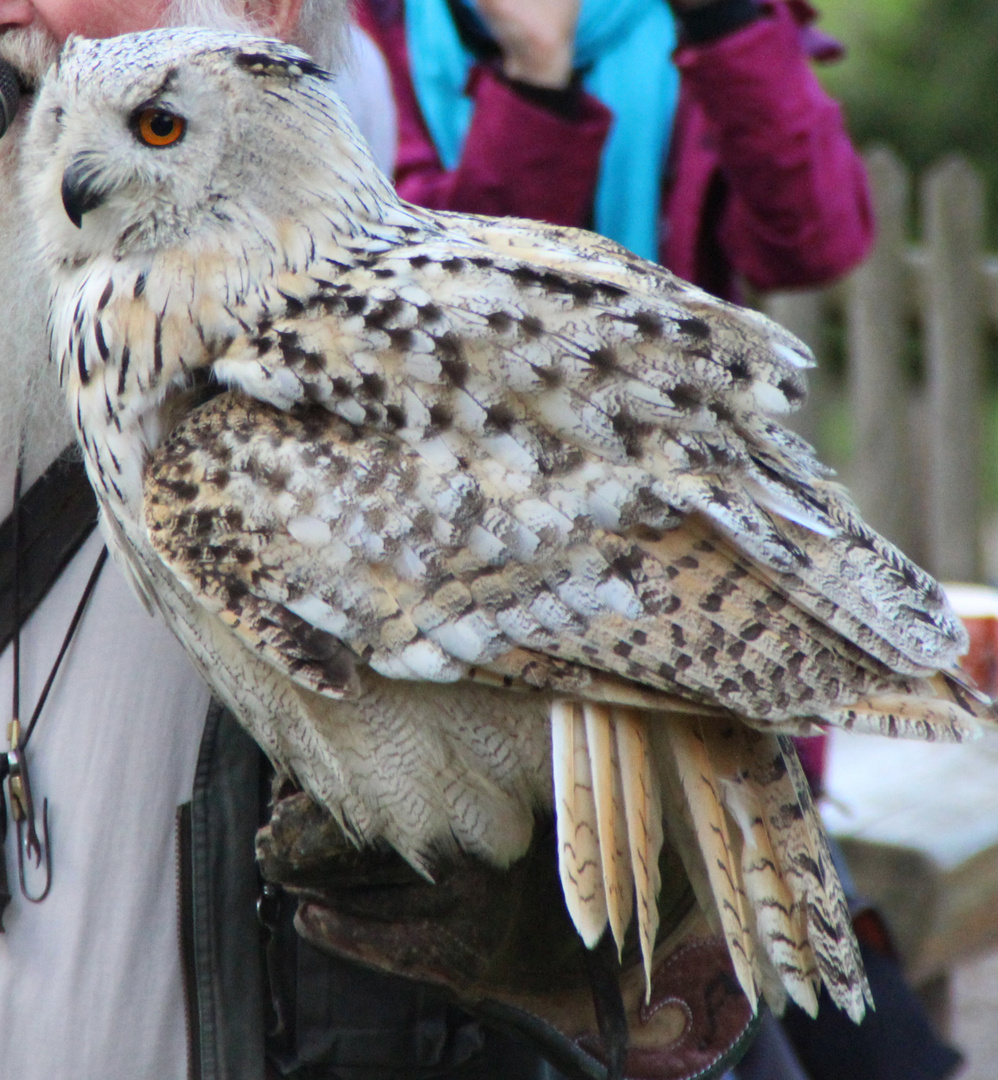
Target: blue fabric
<point x="624" y="50"/>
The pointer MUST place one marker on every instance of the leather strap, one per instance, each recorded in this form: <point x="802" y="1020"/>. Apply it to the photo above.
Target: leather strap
<point x="58" y="513"/>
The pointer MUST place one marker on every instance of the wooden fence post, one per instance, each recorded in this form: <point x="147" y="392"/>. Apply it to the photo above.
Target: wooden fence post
<point x="801" y="313"/>
<point x="880" y="472"/>
<point x="953" y="222"/>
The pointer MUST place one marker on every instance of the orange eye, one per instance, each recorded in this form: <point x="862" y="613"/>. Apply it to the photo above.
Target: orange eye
<point x="156" y="127"/>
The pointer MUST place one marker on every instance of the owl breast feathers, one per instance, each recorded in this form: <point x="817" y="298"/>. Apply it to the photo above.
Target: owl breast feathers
<point x="470" y="519"/>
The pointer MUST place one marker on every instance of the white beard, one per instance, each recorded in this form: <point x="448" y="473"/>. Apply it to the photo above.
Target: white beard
<point x="32" y="405"/>
<point x="211" y="13"/>
<point x="31" y="51"/>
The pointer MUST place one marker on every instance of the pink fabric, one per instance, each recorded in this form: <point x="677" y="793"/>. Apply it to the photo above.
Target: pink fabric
<point x="813" y="753"/>
<point x="766" y="182"/>
<point x="752" y="112"/>
<point x="519" y="159"/>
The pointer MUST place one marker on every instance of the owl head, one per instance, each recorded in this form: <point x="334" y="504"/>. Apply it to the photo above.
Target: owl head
<point x="186" y="137"/>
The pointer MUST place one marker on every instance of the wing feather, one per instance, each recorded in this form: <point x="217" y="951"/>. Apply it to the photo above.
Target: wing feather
<point x="553" y="355"/>
<point x="359" y="550"/>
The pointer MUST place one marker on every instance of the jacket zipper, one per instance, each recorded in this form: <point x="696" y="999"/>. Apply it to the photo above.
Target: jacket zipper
<point x="185" y="932"/>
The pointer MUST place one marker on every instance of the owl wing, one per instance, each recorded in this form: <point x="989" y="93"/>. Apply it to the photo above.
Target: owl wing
<point x="523" y="458"/>
<point x="323" y="546"/>
<point x="555" y="362"/>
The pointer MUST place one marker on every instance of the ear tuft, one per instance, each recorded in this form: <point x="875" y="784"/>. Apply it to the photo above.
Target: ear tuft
<point x="287" y="65"/>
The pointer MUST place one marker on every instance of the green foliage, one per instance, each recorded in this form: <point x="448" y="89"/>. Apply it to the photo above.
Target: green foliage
<point x="921" y="76"/>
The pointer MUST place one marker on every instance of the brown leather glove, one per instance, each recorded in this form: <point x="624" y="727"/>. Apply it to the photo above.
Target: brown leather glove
<point x="503" y="943"/>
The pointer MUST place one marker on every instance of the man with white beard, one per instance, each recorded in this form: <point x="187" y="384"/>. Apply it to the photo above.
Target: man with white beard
<point x="92" y="983"/>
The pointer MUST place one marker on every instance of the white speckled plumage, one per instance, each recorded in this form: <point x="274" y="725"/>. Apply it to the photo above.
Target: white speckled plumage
<point x="470" y="481"/>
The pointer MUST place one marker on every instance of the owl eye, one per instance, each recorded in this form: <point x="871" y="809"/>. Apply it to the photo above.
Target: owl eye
<point x="157" y="127"/>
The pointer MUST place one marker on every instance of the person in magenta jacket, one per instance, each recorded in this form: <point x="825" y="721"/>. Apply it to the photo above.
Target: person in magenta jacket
<point x="760" y="180"/>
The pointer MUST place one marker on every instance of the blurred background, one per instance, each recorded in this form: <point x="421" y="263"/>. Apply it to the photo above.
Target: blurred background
<point x="906" y="400"/>
<point x="920" y="76"/>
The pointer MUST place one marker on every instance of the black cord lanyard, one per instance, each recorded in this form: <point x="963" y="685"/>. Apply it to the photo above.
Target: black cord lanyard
<point x="14" y="764"/>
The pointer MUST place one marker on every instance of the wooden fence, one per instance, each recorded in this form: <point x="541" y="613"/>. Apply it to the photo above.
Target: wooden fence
<point x="915" y="319"/>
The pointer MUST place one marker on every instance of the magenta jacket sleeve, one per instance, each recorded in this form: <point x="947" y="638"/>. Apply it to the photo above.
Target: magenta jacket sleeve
<point x="796" y="209"/>
<point x="519" y="158"/>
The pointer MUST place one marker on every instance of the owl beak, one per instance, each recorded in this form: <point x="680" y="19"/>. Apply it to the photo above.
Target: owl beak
<point x="80" y="190"/>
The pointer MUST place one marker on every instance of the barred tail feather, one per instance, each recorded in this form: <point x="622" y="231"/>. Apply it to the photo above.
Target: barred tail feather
<point x="611" y="819"/>
<point x="779" y="920"/>
<point x="696" y="796"/>
<point x="806" y="862"/>
<point x="643" y="807"/>
<point x="579" y="862"/>
<point x="739" y="813"/>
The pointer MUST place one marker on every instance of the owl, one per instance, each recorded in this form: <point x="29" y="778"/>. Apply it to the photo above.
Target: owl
<point x="470" y="520"/>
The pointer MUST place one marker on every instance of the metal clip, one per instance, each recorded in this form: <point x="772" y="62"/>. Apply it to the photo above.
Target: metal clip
<point x="22" y="810"/>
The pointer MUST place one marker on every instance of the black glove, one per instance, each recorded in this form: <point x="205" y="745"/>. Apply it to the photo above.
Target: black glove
<point x="702" y="22"/>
